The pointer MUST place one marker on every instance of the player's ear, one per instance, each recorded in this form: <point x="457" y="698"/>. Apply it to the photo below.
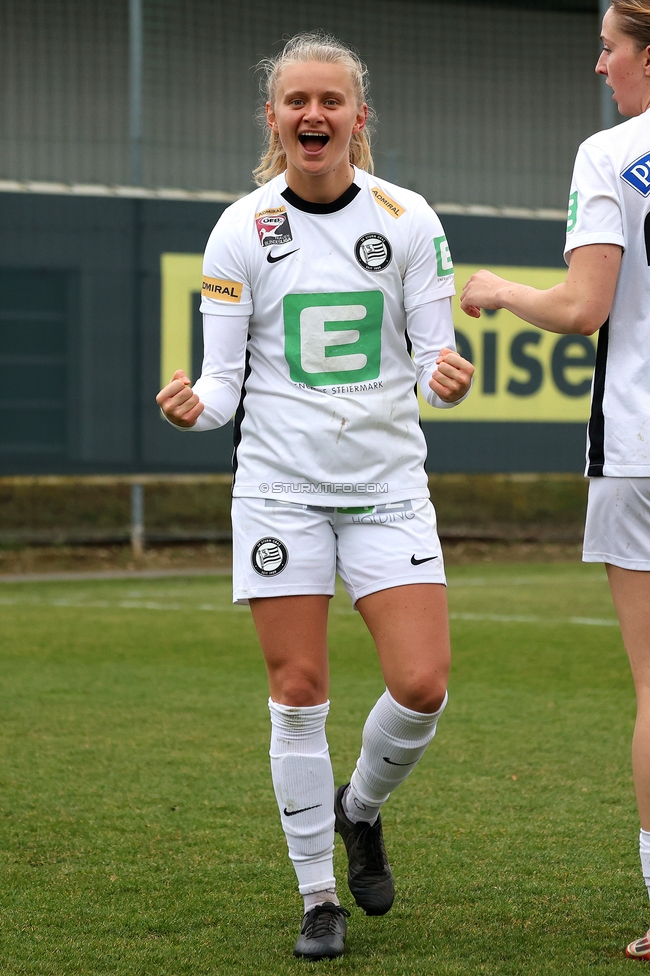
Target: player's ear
<point x="362" y="118"/>
<point x="645" y="54"/>
<point x="270" y="117"/>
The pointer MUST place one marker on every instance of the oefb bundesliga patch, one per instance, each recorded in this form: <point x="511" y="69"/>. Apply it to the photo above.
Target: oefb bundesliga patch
<point x="269" y="556"/>
<point x="273" y="226"/>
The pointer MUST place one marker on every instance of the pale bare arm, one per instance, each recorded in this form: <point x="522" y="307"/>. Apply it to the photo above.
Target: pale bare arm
<point x="580" y="305"/>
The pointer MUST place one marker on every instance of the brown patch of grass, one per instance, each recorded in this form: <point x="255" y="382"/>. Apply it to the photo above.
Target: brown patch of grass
<point x="58" y="559"/>
<point x="463" y="552"/>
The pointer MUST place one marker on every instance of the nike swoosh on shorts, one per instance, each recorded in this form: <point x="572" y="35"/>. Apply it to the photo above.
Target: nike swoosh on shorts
<point x="416" y="562"/>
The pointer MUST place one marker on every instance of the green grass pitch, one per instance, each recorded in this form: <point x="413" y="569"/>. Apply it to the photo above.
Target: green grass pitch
<point x="139" y="833"/>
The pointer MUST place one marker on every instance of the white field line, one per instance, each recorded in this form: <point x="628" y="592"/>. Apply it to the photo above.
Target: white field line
<point x="503" y="618"/>
<point x="114" y="604"/>
<point x="526" y="581"/>
<point x="80" y="604"/>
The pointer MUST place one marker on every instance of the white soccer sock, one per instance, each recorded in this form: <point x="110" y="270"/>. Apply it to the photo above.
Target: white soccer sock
<point x="394" y="739"/>
<point x="304" y="788"/>
<point x="644" y="853"/>
<point x="318" y="897"/>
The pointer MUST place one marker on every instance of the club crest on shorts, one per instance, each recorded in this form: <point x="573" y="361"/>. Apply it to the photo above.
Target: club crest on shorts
<point x="269" y="556"/>
<point x="373" y="252"/>
<point x="273" y="226"/>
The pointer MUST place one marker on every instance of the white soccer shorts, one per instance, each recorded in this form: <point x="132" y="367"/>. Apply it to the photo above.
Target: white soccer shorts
<point x="617" y="530"/>
<point x="285" y="548"/>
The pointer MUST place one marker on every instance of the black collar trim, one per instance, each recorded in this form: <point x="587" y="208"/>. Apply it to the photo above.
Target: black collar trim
<point x="321" y="208"/>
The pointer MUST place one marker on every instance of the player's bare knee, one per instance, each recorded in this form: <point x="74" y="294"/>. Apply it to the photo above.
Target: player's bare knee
<point x="422" y="693"/>
<point x="300" y="690"/>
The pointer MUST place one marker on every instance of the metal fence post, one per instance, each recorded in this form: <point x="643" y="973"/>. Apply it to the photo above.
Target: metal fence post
<point x="137" y="520"/>
<point x="136" y="169"/>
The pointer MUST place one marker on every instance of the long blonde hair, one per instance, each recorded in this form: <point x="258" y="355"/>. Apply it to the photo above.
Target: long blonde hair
<point x="634" y="19"/>
<point x="312" y="46"/>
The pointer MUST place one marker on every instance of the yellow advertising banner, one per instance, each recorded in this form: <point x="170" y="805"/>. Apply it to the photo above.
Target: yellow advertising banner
<point x="180" y="276"/>
<point x="522" y="373"/>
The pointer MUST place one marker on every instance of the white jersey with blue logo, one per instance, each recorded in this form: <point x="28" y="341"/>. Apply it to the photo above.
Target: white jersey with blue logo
<point x="610" y="204"/>
<point x="328" y="412"/>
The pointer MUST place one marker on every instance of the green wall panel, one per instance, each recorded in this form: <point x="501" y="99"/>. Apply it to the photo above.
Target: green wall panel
<point x="80" y="326"/>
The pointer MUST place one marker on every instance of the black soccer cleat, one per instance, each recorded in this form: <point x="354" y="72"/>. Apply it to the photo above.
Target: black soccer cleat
<point x="323" y="932"/>
<point x="369" y="875"/>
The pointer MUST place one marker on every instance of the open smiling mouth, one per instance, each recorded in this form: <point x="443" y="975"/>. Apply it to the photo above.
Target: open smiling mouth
<point x="313" y="142"/>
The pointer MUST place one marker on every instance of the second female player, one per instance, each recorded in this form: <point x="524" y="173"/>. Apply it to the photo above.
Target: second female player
<point x="316" y="288"/>
<point x="607" y="290"/>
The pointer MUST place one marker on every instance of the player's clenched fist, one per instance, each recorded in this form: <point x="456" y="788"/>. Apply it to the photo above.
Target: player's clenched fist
<point x="481" y="291"/>
<point x="178" y="401"/>
<point x="453" y="377"/>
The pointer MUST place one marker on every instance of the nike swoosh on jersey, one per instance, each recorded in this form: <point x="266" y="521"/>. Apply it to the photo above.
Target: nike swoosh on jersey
<point x="292" y="813"/>
<point x="279" y="257"/>
<point x="416" y="562"/>
<point x="386" y="759"/>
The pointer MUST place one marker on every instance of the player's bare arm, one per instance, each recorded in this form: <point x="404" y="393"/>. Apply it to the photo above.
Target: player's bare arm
<point x="453" y="377"/>
<point x="580" y="305"/>
<point x="178" y="401"/>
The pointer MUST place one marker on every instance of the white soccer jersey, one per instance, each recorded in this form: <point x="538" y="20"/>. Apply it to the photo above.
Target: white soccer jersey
<point x="328" y="410"/>
<point x="610" y="204"/>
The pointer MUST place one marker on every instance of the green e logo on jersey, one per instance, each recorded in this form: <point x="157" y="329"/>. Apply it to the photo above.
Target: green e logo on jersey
<point x="443" y="256"/>
<point x="573" y="212"/>
<point x="333" y="338"/>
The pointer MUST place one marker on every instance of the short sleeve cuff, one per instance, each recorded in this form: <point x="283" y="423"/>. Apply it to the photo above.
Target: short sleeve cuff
<point x="596" y="237"/>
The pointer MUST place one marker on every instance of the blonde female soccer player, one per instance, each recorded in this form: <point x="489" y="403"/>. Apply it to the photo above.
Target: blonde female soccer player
<point x="608" y="289"/>
<point x="315" y="286"/>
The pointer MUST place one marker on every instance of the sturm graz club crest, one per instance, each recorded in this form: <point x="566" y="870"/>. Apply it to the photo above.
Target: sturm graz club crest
<point x="269" y="556"/>
<point x="373" y="252"/>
